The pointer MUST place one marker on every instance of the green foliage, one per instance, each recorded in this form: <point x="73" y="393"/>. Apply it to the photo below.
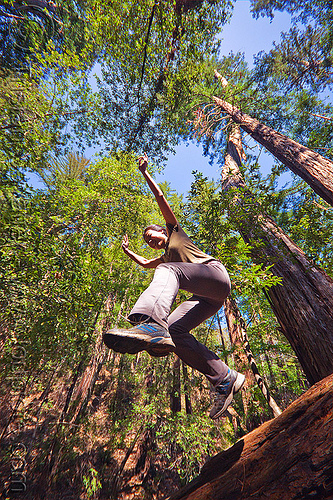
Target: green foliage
<point x="64" y="276"/>
<point x="92" y="483"/>
<point x="182" y="441"/>
<point x="308" y="221"/>
<point x="213" y="230"/>
<point x="61" y="255"/>
<point x="27" y="134"/>
<point x="300" y="66"/>
<point x="301" y="60"/>
<point x="140" y="47"/>
<point x="175" y="200"/>
<point x="193" y="436"/>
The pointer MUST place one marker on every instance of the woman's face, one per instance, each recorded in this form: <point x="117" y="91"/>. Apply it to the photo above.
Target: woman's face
<point x="155" y="239"/>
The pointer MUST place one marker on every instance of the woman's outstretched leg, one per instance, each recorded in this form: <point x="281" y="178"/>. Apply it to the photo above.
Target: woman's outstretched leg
<point x="208" y="280"/>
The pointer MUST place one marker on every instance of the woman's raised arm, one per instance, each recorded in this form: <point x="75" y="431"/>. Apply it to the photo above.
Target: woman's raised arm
<point x="164" y="206"/>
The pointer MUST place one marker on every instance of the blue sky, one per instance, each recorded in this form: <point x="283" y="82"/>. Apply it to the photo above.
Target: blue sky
<point x="243" y="34"/>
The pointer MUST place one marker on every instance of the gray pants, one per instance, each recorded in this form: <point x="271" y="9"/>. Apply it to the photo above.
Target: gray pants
<point x="210" y="285"/>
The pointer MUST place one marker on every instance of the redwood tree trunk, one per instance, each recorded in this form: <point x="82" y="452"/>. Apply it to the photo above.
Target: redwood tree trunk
<point x="238" y="335"/>
<point x="175" y="396"/>
<point x="85" y="387"/>
<point x="303" y="304"/>
<point x="290" y="457"/>
<point x="316" y="170"/>
<point x="241" y="361"/>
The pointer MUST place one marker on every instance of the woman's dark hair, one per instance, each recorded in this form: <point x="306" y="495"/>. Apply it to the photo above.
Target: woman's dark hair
<point x="154" y="227"/>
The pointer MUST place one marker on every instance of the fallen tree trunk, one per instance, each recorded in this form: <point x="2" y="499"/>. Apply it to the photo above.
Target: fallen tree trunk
<point x="290" y="457"/>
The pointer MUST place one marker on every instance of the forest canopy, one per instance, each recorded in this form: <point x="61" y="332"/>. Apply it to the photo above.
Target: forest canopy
<point x="119" y="79"/>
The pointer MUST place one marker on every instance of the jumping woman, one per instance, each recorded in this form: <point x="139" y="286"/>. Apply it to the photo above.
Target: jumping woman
<point x="182" y="266"/>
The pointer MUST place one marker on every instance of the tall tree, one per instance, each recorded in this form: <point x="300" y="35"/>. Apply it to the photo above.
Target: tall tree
<point x="296" y="307"/>
<point x="303" y="57"/>
<point x="316" y="170"/>
<point x="148" y="50"/>
<point x="238" y="335"/>
<point x="303" y="303"/>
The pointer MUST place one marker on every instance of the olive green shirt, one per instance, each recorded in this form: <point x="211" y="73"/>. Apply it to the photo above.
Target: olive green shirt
<point x="180" y="248"/>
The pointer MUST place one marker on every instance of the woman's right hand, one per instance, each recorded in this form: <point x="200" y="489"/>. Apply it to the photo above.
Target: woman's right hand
<point x="143" y="162"/>
<point x="124" y="243"/>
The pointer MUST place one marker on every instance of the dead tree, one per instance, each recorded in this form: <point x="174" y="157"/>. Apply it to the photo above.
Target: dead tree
<point x="239" y="355"/>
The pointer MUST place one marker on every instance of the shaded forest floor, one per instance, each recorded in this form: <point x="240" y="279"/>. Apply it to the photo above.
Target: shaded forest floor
<point x="139" y="434"/>
<point x="126" y="444"/>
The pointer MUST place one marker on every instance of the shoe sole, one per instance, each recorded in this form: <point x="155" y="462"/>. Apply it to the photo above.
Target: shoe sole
<point x="156" y="353"/>
<point x="125" y="343"/>
<point x="238" y="384"/>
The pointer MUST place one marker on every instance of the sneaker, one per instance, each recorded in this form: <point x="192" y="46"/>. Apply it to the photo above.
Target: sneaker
<point x="149" y="336"/>
<point x="224" y="392"/>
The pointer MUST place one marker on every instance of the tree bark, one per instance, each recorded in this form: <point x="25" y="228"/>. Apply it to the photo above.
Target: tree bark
<point x="237" y="329"/>
<point x="303" y="304"/>
<point x="175" y="395"/>
<point x="313" y="168"/>
<point x="290" y="457"/>
<point x="84" y="389"/>
<point x="188" y="404"/>
<point x="240" y="358"/>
